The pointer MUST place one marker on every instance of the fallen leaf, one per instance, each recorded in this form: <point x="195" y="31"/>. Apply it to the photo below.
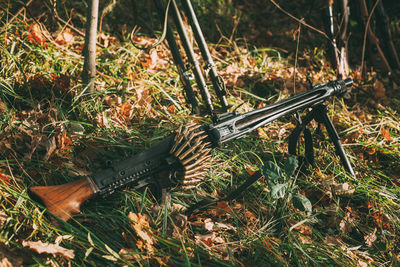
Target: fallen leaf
<point x="2" y="106"/>
<point x="54" y="249"/>
<point x="370" y="238"/>
<point x="132" y="254"/>
<point x="208" y="224"/>
<point x="385" y="133"/>
<point x="64" y="142"/>
<point x="126" y="110"/>
<point x="207" y="239"/>
<point x="51" y="146"/>
<point x="3" y="218"/>
<point x="5" y="263"/>
<point x="334" y="241"/>
<point x="342" y="189"/>
<point x="142" y="229"/>
<point x="172" y="109"/>
<point x="35" y="35"/>
<point x="346" y="225"/>
<point x="4" y="178"/>
<point x="379" y="89"/>
<point x="65" y="37"/>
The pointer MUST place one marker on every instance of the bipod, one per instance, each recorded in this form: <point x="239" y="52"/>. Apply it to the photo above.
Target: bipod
<point x="319" y="113"/>
<point x="209" y="68"/>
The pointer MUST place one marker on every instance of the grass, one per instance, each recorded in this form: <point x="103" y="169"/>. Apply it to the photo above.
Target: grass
<point x="135" y="106"/>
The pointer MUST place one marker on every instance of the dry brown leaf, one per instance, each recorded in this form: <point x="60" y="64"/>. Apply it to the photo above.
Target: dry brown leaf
<point x="342" y="189"/>
<point x="65" y="37"/>
<point x="379" y="89"/>
<point x="3" y="218"/>
<point x="129" y="254"/>
<point x="35" y="35"/>
<point x="370" y="238"/>
<point x="2" y="106"/>
<point x="346" y="225"/>
<point x="208" y="224"/>
<point x="142" y="228"/>
<point x="207" y="239"/>
<point x="132" y="254"/>
<point x="5" y="263"/>
<point x="4" y="178"/>
<point x="334" y="241"/>
<point x="385" y="133"/>
<point x="157" y="62"/>
<point x="54" y="249"/>
<point x="126" y="111"/>
<point x="305" y="233"/>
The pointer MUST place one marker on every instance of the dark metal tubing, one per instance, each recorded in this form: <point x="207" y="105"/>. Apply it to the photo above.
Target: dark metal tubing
<point x="217" y="81"/>
<point x="184" y="76"/>
<point x="322" y="112"/>
<point x="252" y="120"/>
<point x="201" y="83"/>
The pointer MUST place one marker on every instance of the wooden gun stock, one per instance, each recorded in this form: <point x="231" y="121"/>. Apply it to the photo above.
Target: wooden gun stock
<point x="65" y="200"/>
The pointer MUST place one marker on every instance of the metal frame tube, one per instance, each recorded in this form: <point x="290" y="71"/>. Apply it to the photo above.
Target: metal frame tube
<point x="200" y="80"/>
<point x="217" y="81"/>
<point x="184" y="76"/>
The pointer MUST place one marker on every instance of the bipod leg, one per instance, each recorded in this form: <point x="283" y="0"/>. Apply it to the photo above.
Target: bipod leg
<point x="183" y="72"/>
<point x="217" y="81"/>
<point x="200" y="80"/>
<point x="322" y="117"/>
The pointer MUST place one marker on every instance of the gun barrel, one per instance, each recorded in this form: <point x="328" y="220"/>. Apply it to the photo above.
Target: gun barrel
<point x="239" y="125"/>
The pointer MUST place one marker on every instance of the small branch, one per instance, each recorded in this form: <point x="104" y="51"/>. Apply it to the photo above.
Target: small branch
<point x="20" y="11"/>
<point x="371" y="35"/>
<point x="67" y="24"/>
<point x="300" y="21"/>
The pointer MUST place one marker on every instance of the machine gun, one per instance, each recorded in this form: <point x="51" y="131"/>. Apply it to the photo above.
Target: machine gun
<point x="182" y="158"/>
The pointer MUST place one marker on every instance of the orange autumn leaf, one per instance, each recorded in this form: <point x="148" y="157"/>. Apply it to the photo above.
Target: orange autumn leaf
<point x="35" y="35"/>
<point x="4" y="178"/>
<point x="140" y="224"/>
<point x="125" y="111"/>
<point x="64" y="142"/>
<point x="385" y="133"/>
<point x="250" y="172"/>
<point x="171" y="109"/>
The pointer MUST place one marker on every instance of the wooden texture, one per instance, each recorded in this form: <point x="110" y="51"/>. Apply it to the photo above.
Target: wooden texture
<point x="65" y="200"/>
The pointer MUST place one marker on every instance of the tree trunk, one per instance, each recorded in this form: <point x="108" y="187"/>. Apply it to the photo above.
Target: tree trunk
<point x="89" y="50"/>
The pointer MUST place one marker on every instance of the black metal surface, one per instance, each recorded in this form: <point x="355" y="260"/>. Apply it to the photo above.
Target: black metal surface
<point x="217" y="81"/>
<point x="176" y="55"/>
<point x="235" y="125"/>
<point x="136" y="171"/>
<point x="200" y="80"/>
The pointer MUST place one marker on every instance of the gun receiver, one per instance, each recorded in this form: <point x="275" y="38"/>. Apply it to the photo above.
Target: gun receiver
<point x="183" y="158"/>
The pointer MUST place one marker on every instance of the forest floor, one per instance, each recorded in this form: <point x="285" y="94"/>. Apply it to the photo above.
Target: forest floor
<point x="52" y="130"/>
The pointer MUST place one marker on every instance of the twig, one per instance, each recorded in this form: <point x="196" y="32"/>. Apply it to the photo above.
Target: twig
<point x="67" y="24"/>
<point x="19" y="11"/>
<point x="300" y="21"/>
<point x="371" y="36"/>
<point x="296" y="57"/>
